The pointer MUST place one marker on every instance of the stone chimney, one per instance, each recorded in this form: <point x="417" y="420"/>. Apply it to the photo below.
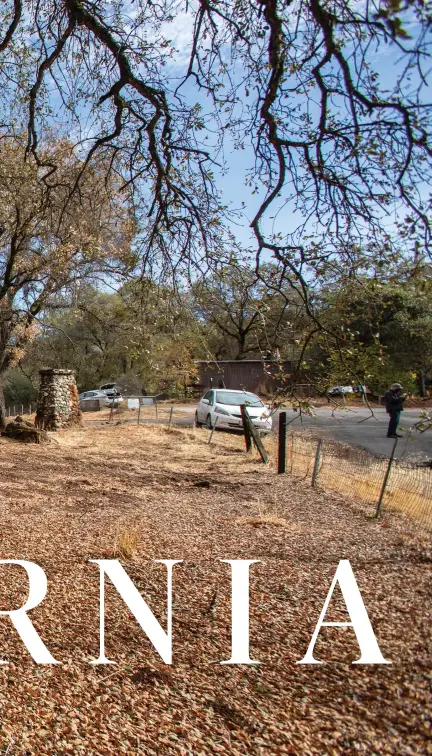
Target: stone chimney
<point x="58" y="403"/>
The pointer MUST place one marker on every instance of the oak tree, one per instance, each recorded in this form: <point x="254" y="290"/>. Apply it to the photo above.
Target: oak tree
<point x="47" y="245"/>
<point x="335" y="145"/>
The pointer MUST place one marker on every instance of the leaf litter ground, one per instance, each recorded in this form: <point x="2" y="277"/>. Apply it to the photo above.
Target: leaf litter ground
<point x="146" y="493"/>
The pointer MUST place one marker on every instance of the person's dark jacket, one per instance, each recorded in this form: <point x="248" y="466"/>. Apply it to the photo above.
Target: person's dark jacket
<point x="394" y="401"/>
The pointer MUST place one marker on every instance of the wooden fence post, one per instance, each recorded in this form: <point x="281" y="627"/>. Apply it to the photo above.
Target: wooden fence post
<point x="386" y="478"/>
<point x="213" y="429"/>
<point x="258" y="443"/>
<point x="170" y="417"/>
<point x="253" y="434"/>
<point x="316" y="463"/>
<point x="139" y="410"/>
<point x="246" y="428"/>
<point x="282" y="443"/>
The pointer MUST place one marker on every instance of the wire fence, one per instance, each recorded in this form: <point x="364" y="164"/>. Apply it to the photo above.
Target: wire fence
<point x="139" y="409"/>
<point x="378" y="484"/>
<point x="20" y="409"/>
<point x="140" y="414"/>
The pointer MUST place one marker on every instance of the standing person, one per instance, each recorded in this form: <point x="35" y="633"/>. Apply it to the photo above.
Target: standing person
<point x="394" y="400"/>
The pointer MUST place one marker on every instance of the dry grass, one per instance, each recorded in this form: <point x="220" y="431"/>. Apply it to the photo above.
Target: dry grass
<point x="127" y="539"/>
<point x="268" y="514"/>
<point x="409" y="491"/>
<point x="399" y="496"/>
<point x="263" y="518"/>
<point x="166" y="494"/>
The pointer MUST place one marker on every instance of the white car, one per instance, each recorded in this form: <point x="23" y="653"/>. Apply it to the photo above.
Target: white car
<point x="224" y="404"/>
<point x="340" y="390"/>
<point x="104" y="399"/>
<point x="110" y="390"/>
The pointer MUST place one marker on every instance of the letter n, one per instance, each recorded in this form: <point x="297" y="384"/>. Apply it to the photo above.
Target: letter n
<point x="360" y="622"/>
<point x="135" y="602"/>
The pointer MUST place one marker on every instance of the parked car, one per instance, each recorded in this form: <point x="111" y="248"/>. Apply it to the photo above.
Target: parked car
<point x="105" y="400"/>
<point x="361" y="389"/>
<point x="110" y="389"/>
<point x="340" y="390"/>
<point x="224" y="404"/>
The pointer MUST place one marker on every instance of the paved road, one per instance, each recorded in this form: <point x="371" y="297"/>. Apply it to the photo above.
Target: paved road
<point x="357" y="427"/>
<point x="345" y="426"/>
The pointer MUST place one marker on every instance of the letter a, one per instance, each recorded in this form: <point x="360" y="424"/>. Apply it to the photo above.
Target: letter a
<point x="360" y="622"/>
<point x="20" y="621"/>
<point x="137" y="605"/>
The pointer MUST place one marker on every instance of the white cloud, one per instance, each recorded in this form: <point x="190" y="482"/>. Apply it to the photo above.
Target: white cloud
<point x="180" y="32"/>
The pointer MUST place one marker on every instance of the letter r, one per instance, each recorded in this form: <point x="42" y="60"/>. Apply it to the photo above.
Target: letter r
<point x="20" y="621"/>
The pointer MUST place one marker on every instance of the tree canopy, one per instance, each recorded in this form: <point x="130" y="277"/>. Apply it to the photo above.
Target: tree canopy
<point x="150" y="336"/>
<point x="140" y="333"/>
<point x="48" y="246"/>
<point x="244" y="315"/>
<point x="385" y="328"/>
<point x="334" y="145"/>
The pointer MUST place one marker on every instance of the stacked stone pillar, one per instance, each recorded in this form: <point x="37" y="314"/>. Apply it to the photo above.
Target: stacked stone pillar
<point x="58" y="402"/>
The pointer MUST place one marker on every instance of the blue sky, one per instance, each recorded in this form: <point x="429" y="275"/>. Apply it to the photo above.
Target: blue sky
<point x="387" y="63"/>
<point x="237" y="162"/>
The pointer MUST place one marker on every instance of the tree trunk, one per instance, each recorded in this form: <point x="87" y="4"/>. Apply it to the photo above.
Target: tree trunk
<point x="2" y="410"/>
<point x="241" y="342"/>
<point x="422" y="384"/>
